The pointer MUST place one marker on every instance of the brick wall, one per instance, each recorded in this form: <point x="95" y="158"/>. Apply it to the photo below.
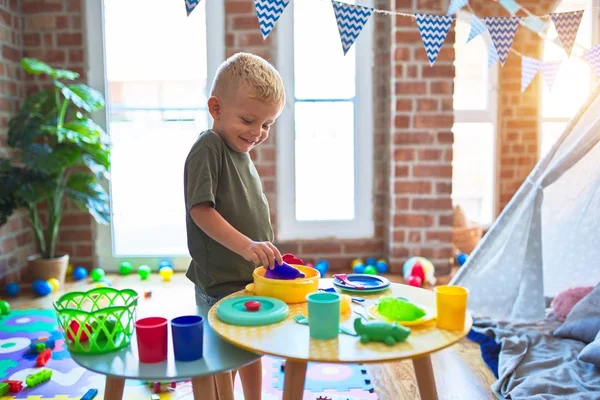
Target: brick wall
<point x="420" y="179"/>
<point x="16" y="240"/>
<point x="50" y="30"/>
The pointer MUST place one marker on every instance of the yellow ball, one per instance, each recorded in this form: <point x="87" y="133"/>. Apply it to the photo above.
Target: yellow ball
<point x="101" y="284"/>
<point x="166" y="273"/>
<point x="356" y="261"/>
<point x="70" y="269"/>
<point x="54" y="283"/>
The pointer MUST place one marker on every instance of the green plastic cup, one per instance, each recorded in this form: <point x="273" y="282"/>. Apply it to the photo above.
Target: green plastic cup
<point x="323" y="315"/>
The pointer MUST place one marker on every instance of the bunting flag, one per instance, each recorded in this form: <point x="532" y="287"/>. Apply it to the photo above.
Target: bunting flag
<point x="593" y="58"/>
<point x="511" y="6"/>
<point x="455" y="6"/>
<point x="529" y="69"/>
<point x="534" y="23"/>
<point x="477" y="28"/>
<point x="190" y="5"/>
<point x="549" y="71"/>
<point x="492" y="55"/>
<point x="567" y="25"/>
<point x="502" y="30"/>
<point x="268" y="13"/>
<point x="350" y="20"/>
<point x="433" y="29"/>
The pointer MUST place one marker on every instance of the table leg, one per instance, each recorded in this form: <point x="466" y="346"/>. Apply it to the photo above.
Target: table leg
<point x="224" y="383"/>
<point x="113" y="388"/>
<point x="293" y="382"/>
<point x="425" y="378"/>
<point x="204" y="388"/>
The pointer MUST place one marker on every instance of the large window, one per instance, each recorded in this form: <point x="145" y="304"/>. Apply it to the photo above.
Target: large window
<point x="324" y="135"/>
<point x="474" y="150"/>
<point x="575" y="77"/>
<point x="157" y="78"/>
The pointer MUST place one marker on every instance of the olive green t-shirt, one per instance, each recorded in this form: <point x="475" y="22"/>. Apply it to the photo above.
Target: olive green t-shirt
<point x="227" y="180"/>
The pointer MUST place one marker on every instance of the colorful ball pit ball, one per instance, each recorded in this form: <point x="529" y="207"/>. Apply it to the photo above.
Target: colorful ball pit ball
<point x="381" y="267"/>
<point x="4" y="307"/>
<point x="97" y="274"/>
<point x="371" y="261"/>
<point x="322" y="266"/>
<point x="12" y="289"/>
<point x="461" y="259"/>
<point x="166" y="273"/>
<point x="144" y="272"/>
<point x="79" y="273"/>
<point x="371" y="270"/>
<point x="358" y="268"/>
<point x="356" y="261"/>
<point x="425" y="263"/>
<point x="54" y="283"/>
<point x="165" y="264"/>
<point x="41" y="288"/>
<point x="125" y="268"/>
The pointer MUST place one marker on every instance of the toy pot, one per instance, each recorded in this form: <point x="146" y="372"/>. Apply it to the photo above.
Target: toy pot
<point x="288" y="291"/>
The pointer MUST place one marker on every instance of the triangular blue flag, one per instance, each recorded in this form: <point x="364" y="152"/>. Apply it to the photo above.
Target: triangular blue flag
<point x="492" y="55"/>
<point x="477" y="28"/>
<point x="502" y="30"/>
<point x="268" y="13"/>
<point x="190" y="5"/>
<point x="455" y="6"/>
<point x="350" y="20"/>
<point x="433" y="29"/>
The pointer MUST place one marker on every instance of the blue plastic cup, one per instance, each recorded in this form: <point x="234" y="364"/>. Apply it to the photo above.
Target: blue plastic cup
<point x="188" y="336"/>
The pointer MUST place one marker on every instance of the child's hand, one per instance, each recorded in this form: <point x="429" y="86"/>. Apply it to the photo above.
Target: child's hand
<point x="262" y="253"/>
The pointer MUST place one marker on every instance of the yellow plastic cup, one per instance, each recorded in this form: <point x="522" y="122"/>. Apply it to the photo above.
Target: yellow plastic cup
<point x="451" y="303"/>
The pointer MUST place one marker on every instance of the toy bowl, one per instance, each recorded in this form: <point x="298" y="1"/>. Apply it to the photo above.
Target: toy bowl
<point x="97" y="321"/>
<point x="288" y="291"/>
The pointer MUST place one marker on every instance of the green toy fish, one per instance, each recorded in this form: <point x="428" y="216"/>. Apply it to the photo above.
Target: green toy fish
<point x="380" y="331"/>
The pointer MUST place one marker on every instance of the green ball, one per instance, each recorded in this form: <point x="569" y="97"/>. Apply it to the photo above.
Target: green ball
<point x="125" y="268"/>
<point x="369" y="269"/>
<point x="4" y="307"/>
<point x="97" y="274"/>
<point x="144" y="271"/>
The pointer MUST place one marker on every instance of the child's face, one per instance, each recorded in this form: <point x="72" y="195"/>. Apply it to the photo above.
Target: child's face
<point x="242" y="121"/>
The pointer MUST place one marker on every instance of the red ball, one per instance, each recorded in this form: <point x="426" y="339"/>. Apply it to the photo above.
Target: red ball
<point x="414" y="281"/>
<point x="418" y="271"/>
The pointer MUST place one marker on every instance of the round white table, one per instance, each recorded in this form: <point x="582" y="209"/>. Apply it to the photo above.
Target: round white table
<point x="219" y="357"/>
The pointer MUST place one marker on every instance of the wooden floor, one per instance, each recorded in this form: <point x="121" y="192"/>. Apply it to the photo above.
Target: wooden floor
<point x="460" y="372"/>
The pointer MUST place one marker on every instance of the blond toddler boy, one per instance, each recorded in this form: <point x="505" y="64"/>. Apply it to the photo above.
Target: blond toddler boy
<point x="228" y="224"/>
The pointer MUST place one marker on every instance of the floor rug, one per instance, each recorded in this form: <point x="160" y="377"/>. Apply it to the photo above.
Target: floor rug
<point x="70" y="381"/>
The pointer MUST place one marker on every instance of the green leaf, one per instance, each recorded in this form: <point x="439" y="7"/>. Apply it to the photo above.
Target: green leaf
<point x="88" y="132"/>
<point x="89" y="195"/>
<point x="82" y="96"/>
<point x="36" y="67"/>
<point x="36" y="113"/>
<point x="42" y="157"/>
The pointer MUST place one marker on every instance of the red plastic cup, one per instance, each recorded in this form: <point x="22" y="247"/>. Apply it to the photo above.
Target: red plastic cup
<point x="152" y="339"/>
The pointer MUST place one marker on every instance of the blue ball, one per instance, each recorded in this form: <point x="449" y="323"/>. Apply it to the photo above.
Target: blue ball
<point x="322" y="266"/>
<point x="42" y="288"/>
<point x="12" y="289"/>
<point x="371" y="261"/>
<point x="359" y="268"/>
<point x="461" y="259"/>
<point x="165" y="263"/>
<point x="382" y="267"/>
<point x="79" y="273"/>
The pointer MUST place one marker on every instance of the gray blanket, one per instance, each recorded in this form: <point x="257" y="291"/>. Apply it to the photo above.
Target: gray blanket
<point x="534" y="364"/>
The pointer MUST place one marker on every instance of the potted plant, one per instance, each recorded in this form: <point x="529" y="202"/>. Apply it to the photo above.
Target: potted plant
<point x="60" y="153"/>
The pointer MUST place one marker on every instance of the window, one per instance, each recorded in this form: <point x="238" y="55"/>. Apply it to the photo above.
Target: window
<point x="156" y="79"/>
<point x="474" y="149"/>
<point x="324" y="135"/>
<point x="575" y="77"/>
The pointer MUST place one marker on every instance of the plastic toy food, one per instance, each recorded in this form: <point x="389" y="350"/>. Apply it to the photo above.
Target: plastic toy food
<point x="397" y="309"/>
<point x="283" y="271"/>
<point x="380" y="331"/>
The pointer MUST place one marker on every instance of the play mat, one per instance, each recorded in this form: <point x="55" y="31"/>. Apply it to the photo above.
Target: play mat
<point x="70" y="381"/>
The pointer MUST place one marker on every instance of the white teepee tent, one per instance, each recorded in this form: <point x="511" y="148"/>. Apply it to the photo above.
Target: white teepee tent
<point x="547" y="238"/>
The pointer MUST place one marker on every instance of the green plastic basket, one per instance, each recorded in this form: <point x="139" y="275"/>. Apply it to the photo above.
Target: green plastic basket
<point x="97" y="321"/>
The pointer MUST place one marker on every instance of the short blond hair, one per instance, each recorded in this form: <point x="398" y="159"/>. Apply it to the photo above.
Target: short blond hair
<point x="252" y="71"/>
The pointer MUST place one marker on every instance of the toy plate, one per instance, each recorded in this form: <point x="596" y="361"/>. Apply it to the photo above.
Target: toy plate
<point x="429" y="316"/>
<point x="233" y="311"/>
<point x="372" y="283"/>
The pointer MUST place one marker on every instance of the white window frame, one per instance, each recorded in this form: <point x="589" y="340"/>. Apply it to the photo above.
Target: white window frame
<point x="95" y="70"/>
<point x="362" y="226"/>
<point x="489" y="115"/>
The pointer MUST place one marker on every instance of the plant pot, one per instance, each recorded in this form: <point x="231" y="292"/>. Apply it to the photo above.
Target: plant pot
<point x="41" y="268"/>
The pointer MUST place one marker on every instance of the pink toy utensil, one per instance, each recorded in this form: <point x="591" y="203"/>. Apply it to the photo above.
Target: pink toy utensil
<point x="344" y="279"/>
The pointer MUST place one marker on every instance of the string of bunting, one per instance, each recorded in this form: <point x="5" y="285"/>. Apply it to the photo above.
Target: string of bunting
<point x="434" y="28"/>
